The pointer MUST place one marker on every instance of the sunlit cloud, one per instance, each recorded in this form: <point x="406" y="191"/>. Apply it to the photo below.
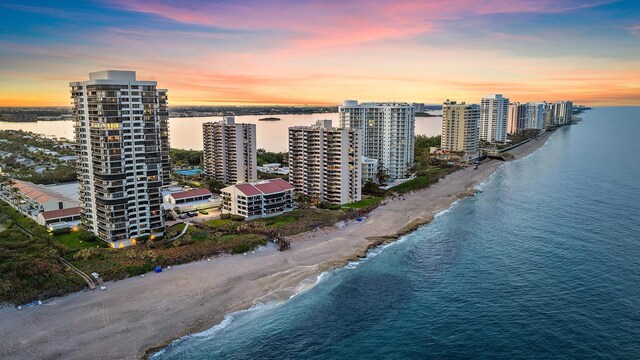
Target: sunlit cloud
<point x="321" y="52"/>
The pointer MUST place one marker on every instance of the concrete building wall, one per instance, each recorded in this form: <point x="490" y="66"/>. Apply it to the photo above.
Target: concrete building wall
<point x="122" y="137"/>
<point x="388" y="131"/>
<point x="229" y="151"/>
<point x="324" y="162"/>
<point x="494" y="112"/>
<point x="460" y="127"/>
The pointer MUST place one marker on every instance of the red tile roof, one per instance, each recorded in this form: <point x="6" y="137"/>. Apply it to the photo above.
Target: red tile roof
<point x="264" y="187"/>
<point x="55" y="214"/>
<point x="248" y="189"/>
<point x="191" y="193"/>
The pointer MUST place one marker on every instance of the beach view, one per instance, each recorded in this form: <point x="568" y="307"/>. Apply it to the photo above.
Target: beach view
<point x="319" y="180"/>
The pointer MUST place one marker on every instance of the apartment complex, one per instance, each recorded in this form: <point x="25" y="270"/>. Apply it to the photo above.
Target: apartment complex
<point x="531" y="115"/>
<point x="230" y="151"/>
<point x="460" y="128"/>
<point x="558" y="113"/>
<point x="512" y="118"/>
<point x="494" y="111"/>
<point x="324" y="162"/>
<point x="387" y="133"/>
<point x="257" y="199"/>
<point x="369" y="169"/>
<point x="121" y="129"/>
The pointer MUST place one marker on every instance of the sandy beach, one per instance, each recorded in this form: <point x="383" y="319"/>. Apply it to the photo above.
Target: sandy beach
<point x="139" y="314"/>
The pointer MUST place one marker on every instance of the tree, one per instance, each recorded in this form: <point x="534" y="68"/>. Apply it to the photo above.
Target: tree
<point x="215" y="185"/>
<point x="382" y="176"/>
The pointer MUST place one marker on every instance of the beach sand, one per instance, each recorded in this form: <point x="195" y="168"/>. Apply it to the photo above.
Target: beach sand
<point x="138" y="314"/>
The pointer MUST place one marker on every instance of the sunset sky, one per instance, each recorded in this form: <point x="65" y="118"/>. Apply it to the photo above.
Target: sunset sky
<point x="321" y="52"/>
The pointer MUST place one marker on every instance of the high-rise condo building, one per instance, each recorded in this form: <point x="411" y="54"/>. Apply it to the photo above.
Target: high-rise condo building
<point x="324" y="162"/>
<point x="122" y="140"/>
<point x="460" y="128"/>
<point x="558" y="113"/>
<point x="531" y="115"/>
<point x="513" y="117"/>
<point x="230" y="151"/>
<point x="494" y="111"/>
<point x="387" y="133"/>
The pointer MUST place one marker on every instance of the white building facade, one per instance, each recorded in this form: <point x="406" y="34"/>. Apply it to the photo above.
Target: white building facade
<point x="257" y="199"/>
<point x="460" y="128"/>
<point x="324" y="162"/>
<point x="388" y="131"/>
<point x="122" y="137"/>
<point x="229" y="151"/>
<point x="513" y="116"/>
<point x="494" y="113"/>
<point x="531" y="115"/>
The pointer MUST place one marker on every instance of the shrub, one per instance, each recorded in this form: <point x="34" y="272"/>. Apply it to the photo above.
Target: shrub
<point x="86" y="254"/>
<point x="240" y="248"/>
<point x="87" y="237"/>
<point x="61" y="231"/>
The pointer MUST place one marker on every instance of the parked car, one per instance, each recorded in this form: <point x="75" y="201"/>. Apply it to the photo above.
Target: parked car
<point x="192" y="214"/>
<point x="183" y="216"/>
<point x="203" y="212"/>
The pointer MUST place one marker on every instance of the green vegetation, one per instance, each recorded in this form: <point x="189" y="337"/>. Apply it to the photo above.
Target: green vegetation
<point x="218" y="222"/>
<point x="424" y="179"/>
<point x="521" y="136"/>
<point x="421" y="151"/>
<point x="52" y="169"/>
<point x="266" y="157"/>
<point x="30" y="268"/>
<point x="74" y="240"/>
<point x="186" y="158"/>
<point x="364" y="203"/>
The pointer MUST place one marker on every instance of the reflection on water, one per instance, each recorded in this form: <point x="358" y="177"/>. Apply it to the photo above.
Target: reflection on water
<point x="186" y="133"/>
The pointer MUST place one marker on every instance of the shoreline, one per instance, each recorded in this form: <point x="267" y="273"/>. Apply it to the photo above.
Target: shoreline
<point x="138" y="316"/>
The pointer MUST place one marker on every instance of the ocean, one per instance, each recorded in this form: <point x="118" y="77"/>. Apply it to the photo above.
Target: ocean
<point x="543" y="263"/>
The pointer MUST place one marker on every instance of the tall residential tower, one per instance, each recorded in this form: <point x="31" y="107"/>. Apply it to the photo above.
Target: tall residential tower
<point x="123" y="150"/>
<point x="460" y="128"/>
<point x="387" y="133"/>
<point x="494" y="110"/>
<point x="324" y="162"/>
<point x="230" y="151"/>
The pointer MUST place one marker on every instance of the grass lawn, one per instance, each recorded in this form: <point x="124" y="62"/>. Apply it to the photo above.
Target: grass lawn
<point x="72" y="241"/>
<point x="364" y="203"/>
<point x="218" y="222"/>
<point x="280" y="220"/>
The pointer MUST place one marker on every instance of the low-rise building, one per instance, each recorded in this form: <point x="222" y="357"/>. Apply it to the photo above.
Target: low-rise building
<point x="39" y="202"/>
<point x="258" y="199"/>
<point x="59" y="218"/>
<point x="369" y="169"/>
<point x="188" y="196"/>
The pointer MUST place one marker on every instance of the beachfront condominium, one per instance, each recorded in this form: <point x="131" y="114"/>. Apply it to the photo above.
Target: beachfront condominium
<point x="324" y="162"/>
<point x="494" y="112"/>
<point x="387" y="133"/>
<point x="558" y="113"/>
<point x="122" y="140"/>
<point x="512" y="118"/>
<point x="257" y="199"/>
<point x="531" y="115"/>
<point x="229" y="152"/>
<point x="460" y="128"/>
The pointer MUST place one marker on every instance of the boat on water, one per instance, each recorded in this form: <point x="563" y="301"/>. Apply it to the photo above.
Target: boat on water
<point x="270" y="119"/>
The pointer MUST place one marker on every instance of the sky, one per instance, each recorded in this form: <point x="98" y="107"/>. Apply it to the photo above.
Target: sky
<point x="297" y="52"/>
